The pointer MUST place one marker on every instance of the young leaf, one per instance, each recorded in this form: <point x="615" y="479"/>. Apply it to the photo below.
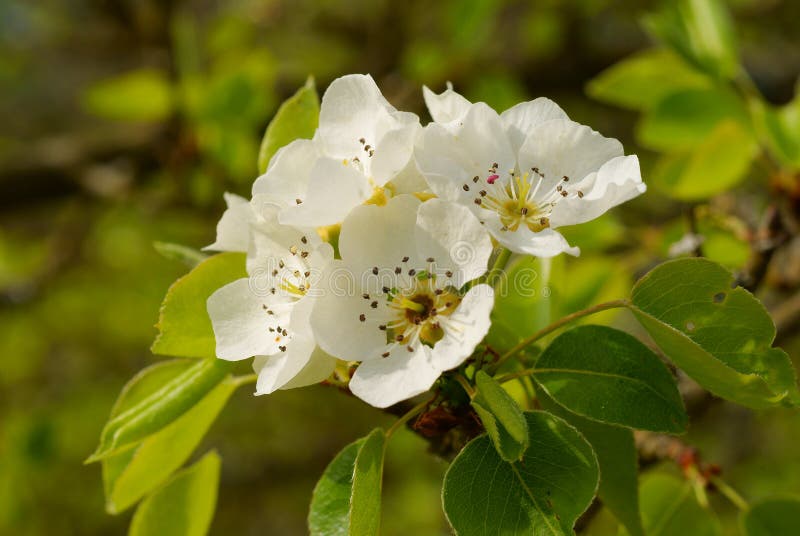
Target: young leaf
<point x="616" y="456"/>
<point x="670" y="507"/>
<point x="297" y="117"/>
<point x="174" y="398"/>
<point x="501" y="416"/>
<point x="143" y="466"/>
<point x="544" y="493"/>
<point x="183" y="324"/>
<point x="609" y="376"/>
<point x="772" y="517"/>
<point x="642" y="80"/>
<point x="719" y="335"/>
<point x="188" y="256"/>
<point x="347" y="498"/>
<point x="183" y="506"/>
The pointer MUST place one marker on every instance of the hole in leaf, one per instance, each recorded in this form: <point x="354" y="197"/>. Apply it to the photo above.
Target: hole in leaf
<point x="690" y="326"/>
<point x="719" y="297"/>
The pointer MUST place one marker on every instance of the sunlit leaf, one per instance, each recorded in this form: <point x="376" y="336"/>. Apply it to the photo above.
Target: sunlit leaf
<point x="143" y="95"/>
<point x="501" y="416"/>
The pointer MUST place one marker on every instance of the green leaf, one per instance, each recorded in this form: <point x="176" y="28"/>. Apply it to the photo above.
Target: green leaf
<point x="772" y="517"/>
<point x="501" y="416"/>
<point x="682" y="120"/>
<point x="717" y="163"/>
<point x="642" y="80"/>
<point x="142" y="95"/>
<point x="780" y="127"/>
<point x="140" y="468"/>
<point x="616" y="456"/>
<point x="174" y="398"/>
<point x="178" y="252"/>
<point x="543" y="494"/>
<point x="609" y="376"/>
<point x="297" y="117"/>
<point x="183" y="324"/>
<point x="347" y="498"/>
<point x="183" y="506"/>
<point x="701" y="31"/>
<point x="719" y="335"/>
<point x="670" y="507"/>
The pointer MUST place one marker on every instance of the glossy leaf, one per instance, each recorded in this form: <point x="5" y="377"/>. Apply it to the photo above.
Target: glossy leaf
<point x="347" y="498"/>
<point x="183" y="506"/>
<point x="297" y="117"/>
<point x="609" y="376"/>
<point x="143" y="466"/>
<point x="719" y="335"/>
<point x="642" y="80"/>
<point x="501" y="416"/>
<point x="670" y="507"/>
<point x="184" y="326"/>
<point x="543" y="494"/>
<point x="616" y="456"/>
<point x="772" y="517"/>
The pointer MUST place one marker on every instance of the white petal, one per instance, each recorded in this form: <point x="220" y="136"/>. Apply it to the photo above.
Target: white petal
<point x="241" y="322"/>
<point x="452" y="235"/>
<point x="335" y="320"/>
<point x="446" y="106"/>
<point x="302" y="364"/>
<point x="408" y="181"/>
<point x="464" y="329"/>
<point x="546" y="243"/>
<point x="287" y="177"/>
<point x="333" y="190"/>
<point x="393" y="151"/>
<point x="618" y="180"/>
<point x="521" y="119"/>
<point x="383" y="382"/>
<point x="233" y="229"/>
<point x="565" y="148"/>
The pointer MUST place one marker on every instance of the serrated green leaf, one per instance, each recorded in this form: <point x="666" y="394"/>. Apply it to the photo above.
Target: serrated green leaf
<point x="609" y="376"/>
<point x="501" y="416"/>
<point x="296" y="118"/>
<point x="143" y="466"/>
<point x="719" y="335"/>
<point x="543" y="494"/>
<point x="642" y="80"/>
<point x="772" y="517"/>
<point x="183" y="506"/>
<point x="174" y="398"/>
<point x="347" y="499"/>
<point x="616" y="457"/>
<point x="682" y="120"/>
<point x="670" y="507"/>
<point x="184" y="326"/>
<point x="141" y="95"/>
<point x="178" y="252"/>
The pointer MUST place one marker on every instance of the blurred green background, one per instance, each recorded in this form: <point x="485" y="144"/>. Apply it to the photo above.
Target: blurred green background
<point x="124" y="122"/>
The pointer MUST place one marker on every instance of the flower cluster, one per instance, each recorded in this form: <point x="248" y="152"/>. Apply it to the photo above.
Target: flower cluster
<point x="403" y="297"/>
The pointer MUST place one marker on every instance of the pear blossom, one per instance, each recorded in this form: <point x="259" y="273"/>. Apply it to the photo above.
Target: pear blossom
<point x="525" y="172"/>
<point x="266" y="315"/>
<point x="394" y="300"/>
<point x="362" y="144"/>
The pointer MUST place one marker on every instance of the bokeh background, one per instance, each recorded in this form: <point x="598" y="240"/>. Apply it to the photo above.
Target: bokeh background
<point x="124" y="121"/>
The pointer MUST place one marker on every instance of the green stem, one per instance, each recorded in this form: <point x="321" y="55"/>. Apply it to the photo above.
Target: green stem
<point x="465" y="384"/>
<point x="238" y="381"/>
<point x="498" y="268"/>
<point x="729" y="493"/>
<point x="557" y="325"/>
<point x="416" y="410"/>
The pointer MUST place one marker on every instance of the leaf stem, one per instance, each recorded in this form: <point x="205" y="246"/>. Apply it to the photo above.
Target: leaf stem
<point x="557" y="325"/>
<point x="465" y="384"/>
<point x="238" y="381"/>
<point x="416" y="410"/>
<point x="498" y="268"/>
<point x="729" y="493"/>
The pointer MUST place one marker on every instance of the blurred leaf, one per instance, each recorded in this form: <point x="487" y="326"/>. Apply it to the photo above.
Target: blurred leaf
<point x="781" y="129"/>
<point x="163" y="406"/>
<point x="183" y="324"/>
<point x="716" y="164"/>
<point x="347" y="498"/>
<point x="719" y="335"/>
<point x="616" y="456"/>
<point x="772" y="517"/>
<point x="178" y="252"/>
<point x="669" y="508"/>
<point x="644" y="79"/>
<point x="297" y="117"/>
<point x="609" y="376"/>
<point x="183" y="506"/>
<point x="681" y="120"/>
<point x="501" y="416"/>
<point x="134" y="472"/>
<point x="544" y="493"/>
<point x="143" y="95"/>
<point x="699" y="30"/>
